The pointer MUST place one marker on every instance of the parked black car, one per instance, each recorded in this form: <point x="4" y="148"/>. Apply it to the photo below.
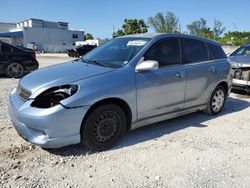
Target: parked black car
<point x="16" y="61"/>
<point x="80" y="51"/>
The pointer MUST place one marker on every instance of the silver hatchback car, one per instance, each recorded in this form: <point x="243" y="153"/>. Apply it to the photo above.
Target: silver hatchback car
<point x="126" y="83"/>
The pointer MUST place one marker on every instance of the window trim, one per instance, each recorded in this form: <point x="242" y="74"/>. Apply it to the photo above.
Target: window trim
<point x="184" y="56"/>
<point x="164" y="39"/>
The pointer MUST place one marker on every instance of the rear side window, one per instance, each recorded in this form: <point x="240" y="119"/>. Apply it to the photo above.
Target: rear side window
<point x="216" y="51"/>
<point x="6" y="48"/>
<point x="194" y="51"/>
<point x="166" y="52"/>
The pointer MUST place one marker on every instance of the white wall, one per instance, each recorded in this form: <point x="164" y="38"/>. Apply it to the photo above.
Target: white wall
<point x="51" y="40"/>
<point x="4" y="27"/>
<point x="228" y="49"/>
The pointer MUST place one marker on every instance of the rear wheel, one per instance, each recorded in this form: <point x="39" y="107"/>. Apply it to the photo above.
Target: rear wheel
<point x="14" y="70"/>
<point x="104" y="126"/>
<point x="216" y="101"/>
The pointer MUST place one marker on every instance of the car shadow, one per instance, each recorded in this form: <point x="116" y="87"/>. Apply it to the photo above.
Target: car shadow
<point x="155" y="131"/>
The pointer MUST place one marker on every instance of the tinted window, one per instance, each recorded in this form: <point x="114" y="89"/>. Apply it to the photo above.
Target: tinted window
<point x="6" y="48"/>
<point x="194" y="51"/>
<point x="166" y="52"/>
<point x="217" y="52"/>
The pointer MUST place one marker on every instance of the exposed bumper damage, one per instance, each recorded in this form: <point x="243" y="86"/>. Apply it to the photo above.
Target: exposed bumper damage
<point x="241" y="78"/>
<point x="47" y="126"/>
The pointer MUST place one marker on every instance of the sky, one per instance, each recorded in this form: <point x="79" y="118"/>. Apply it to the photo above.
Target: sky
<point x="100" y="17"/>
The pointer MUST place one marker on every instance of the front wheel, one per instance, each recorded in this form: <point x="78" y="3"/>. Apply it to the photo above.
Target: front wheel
<point x="217" y="101"/>
<point x="104" y="126"/>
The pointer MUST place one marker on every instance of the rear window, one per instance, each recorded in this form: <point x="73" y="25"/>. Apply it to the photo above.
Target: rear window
<point x="216" y="51"/>
<point x="194" y="51"/>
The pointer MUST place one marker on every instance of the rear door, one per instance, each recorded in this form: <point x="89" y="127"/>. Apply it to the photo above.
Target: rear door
<point x="5" y="55"/>
<point x="200" y="72"/>
<point x="162" y="91"/>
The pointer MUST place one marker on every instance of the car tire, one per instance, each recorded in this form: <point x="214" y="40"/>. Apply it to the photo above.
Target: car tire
<point x="14" y="70"/>
<point x="103" y="127"/>
<point x="216" y="101"/>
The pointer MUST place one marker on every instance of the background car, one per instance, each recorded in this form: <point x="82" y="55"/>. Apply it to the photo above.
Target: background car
<point x="16" y="61"/>
<point x="80" y="51"/>
<point x="240" y="60"/>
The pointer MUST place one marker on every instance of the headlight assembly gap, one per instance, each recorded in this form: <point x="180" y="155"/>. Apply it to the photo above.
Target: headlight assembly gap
<point x="52" y="97"/>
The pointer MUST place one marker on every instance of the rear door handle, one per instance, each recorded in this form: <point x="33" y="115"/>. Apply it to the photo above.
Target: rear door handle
<point x="212" y="69"/>
<point x="179" y="75"/>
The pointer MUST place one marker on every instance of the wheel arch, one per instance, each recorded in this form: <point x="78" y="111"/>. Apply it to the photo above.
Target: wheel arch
<point x="224" y="85"/>
<point x="113" y="100"/>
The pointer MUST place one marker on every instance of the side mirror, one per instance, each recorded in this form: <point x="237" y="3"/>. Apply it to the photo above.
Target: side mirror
<point x="147" y="66"/>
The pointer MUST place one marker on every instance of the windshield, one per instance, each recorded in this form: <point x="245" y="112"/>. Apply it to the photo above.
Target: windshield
<point x="244" y="50"/>
<point x="117" y="52"/>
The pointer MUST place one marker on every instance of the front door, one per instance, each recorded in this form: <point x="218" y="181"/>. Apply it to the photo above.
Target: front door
<point x="163" y="90"/>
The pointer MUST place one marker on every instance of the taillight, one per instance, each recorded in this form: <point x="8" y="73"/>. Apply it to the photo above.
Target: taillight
<point x="33" y="55"/>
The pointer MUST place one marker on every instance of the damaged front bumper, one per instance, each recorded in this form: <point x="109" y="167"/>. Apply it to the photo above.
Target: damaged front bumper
<point x="49" y="128"/>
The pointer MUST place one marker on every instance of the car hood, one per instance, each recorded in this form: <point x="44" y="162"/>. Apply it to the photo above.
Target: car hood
<point x="60" y="74"/>
<point x="239" y="61"/>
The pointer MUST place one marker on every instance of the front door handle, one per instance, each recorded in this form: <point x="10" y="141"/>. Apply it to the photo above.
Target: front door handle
<point x="212" y="69"/>
<point x="179" y="75"/>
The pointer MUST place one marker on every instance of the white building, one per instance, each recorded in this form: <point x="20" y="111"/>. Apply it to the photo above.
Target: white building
<point x="45" y="35"/>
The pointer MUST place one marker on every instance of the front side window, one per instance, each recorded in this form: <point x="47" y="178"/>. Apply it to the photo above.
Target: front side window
<point x="166" y="52"/>
<point x="117" y="52"/>
<point x="194" y="51"/>
<point x="244" y="50"/>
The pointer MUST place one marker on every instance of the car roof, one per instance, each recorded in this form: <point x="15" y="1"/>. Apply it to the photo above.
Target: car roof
<point x="166" y="35"/>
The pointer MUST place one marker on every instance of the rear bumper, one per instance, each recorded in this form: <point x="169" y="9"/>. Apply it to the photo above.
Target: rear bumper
<point x="49" y="128"/>
<point x="34" y="65"/>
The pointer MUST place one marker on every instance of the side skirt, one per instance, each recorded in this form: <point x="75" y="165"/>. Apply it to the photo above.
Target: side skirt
<point x="167" y="116"/>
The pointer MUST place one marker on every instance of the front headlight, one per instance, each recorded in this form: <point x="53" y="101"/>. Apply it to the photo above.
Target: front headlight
<point x="52" y="97"/>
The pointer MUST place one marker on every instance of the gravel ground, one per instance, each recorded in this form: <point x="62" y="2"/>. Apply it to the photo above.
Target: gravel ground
<point x="192" y="151"/>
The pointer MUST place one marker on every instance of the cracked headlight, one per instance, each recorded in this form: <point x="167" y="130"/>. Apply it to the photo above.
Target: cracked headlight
<point x="52" y="97"/>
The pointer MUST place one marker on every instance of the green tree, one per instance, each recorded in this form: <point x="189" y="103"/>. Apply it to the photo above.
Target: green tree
<point x="200" y="28"/>
<point x="218" y="29"/>
<point x="164" y="24"/>
<point x="88" y="36"/>
<point x="131" y="26"/>
<point x="236" y="38"/>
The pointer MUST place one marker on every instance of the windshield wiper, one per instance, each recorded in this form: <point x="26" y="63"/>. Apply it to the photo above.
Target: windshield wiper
<point x="95" y="62"/>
